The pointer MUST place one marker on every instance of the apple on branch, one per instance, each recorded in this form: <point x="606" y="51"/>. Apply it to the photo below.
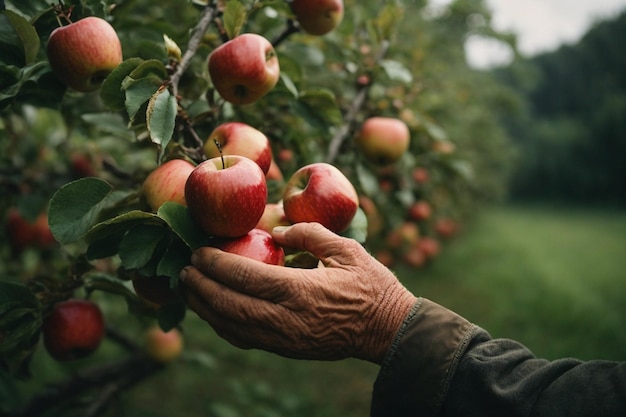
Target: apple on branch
<point x="383" y="140"/>
<point x="244" y="69"/>
<point x="166" y="183"/>
<point x="257" y="244"/>
<point x="226" y="195"/>
<point x="320" y="192"/>
<point x="163" y="347"/>
<point x="236" y="138"/>
<point x="273" y="215"/>
<point x="73" y="330"/>
<point x="318" y="17"/>
<point x="82" y="54"/>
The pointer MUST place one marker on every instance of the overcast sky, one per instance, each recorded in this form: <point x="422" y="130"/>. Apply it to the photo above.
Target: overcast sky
<point x="541" y="25"/>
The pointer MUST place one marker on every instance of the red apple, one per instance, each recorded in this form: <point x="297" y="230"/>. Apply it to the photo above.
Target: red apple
<point x="23" y="233"/>
<point x="383" y="140"/>
<point x="320" y="192"/>
<point x="73" y="330"/>
<point x="446" y="227"/>
<point x="273" y="215"/>
<point x="226" y="196"/>
<point x="237" y="138"/>
<point x="430" y="246"/>
<point x="83" y="53"/>
<point x="257" y="244"/>
<point x="318" y="17"/>
<point x="163" y="347"/>
<point x="244" y="69"/>
<point x="405" y="234"/>
<point x="420" y="210"/>
<point x="167" y="183"/>
<point x="420" y="175"/>
<point x="415" y="257"/>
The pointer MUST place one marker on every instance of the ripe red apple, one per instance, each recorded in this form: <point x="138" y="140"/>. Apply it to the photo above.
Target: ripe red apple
<point x="155" y="290"/>
<point x="237" y="138"/>
<point x="405" y="234"/>
<point x="430" y="246"/>
<point x="244" y="69"/>
<point x="83" y="53"/>
<point x="420" y="210"/>
<point x="383" y="140"/>
<point x="23" y="233"/>
<point x="73" y="330"/>
<point x="446" y="227"/>
<point x="163" y="347"/>
<point x="273" y="215"/>
<point x="166" y="183"/>
<point x="420" y="175"/>
<point x="320" y="192"/>
<point x="414" y="256"/>
<point x="226" y="196"/>
<point x="318" y="17"/>
<point x="257" y="244"/>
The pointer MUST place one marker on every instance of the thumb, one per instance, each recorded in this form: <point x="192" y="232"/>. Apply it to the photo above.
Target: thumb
<point x="310" y="237"/>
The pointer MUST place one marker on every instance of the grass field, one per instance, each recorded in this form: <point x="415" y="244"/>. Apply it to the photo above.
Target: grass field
<point x="550" y="278"/>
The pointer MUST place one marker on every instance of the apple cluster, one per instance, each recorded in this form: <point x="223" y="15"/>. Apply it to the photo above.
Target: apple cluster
<point x="227" y="194"/>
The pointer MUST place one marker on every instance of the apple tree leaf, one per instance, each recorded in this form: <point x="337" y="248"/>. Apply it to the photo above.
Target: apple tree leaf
<point x="234" y="18"/>
<point x="397" y="71"/>
<point x="178" y="218"/>
<point x="75" y="208"/>
<point x="139" y="244"/>
<point x="26" y="33"/>
<point x="358" y="227"/>
<point x="118" y="225"/>
<point x="171" y="315"/>
<point x="161" y="117"/>
<point x="176" y="256"/>
<point x="319" y="107"/>
<point x="20" y="323"/>
<point x="111" y="91"/>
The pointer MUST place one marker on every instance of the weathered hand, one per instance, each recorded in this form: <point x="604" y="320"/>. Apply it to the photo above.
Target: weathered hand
<point x="352" y="306"/>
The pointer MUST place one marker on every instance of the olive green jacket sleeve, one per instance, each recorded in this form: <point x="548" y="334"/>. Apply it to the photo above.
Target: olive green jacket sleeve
<point x="442" y="365"/>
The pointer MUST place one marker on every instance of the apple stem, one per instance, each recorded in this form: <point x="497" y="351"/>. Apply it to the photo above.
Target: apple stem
<point x="219" y="148"/>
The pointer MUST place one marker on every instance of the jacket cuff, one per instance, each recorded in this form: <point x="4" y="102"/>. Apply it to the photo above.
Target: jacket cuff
<point x="415" y="375"/>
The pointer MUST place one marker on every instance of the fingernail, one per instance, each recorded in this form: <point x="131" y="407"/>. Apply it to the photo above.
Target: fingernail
<point x="183" y="274"/>
<point x="194" y="258"/>
<point x="280" y="229"/>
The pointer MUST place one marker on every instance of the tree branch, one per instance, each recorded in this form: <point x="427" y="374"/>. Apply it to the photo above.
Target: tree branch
<point x="350" y="118"/>
<point x="192" y="46"/>
<point x="113" y="376"/>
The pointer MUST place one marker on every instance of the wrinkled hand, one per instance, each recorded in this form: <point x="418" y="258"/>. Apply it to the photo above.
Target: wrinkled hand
<point x="352" y="306"/>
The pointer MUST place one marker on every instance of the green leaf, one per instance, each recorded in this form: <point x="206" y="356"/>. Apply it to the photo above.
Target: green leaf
<point x="397" y="71"/>
<point x="119" y="225"/>
<point x="109" y="122"/>
<point x="107" y="283"/>
<point x="234" y="18"/>
<point x="75" y="208"/>
<point x="171" y="315"/>
<point x="27" y="34"/>
<point x="161" y="117"/>
<point x="138" y="92"/>
<point x="179" y="220"/>
<point x="358" y="227"/>
<point x="289" y="85"/>
<point x="151" y="68"/>
<point x="111" y="91"/>
<point x="139" y="244"/>
<point x="319" y="107"/>
<point x="105" y="247"/>
<point x="176" y="257"/>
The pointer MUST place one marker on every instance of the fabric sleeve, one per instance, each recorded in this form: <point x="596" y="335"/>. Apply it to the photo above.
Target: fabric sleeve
<point x="441" y="365"/>
<point x="415" y="375"/>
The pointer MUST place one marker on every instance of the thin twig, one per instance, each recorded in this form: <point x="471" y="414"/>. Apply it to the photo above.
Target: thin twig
<point x="352" y="113"/>
<point x="192" y="46"/>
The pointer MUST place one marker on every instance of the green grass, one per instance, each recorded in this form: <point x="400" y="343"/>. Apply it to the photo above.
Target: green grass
<point x="549" y="278"/>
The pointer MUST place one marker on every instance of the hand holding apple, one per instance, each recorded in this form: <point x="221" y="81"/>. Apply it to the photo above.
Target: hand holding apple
<point x="256" y="244"/>
<point x="226" y="195"/>
<point x="320" y="192"/>
<point x="83" y="53"/>
<point x="244" y="69"/>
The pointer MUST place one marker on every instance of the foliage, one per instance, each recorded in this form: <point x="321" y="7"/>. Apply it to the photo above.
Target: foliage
<point x="81" y="158"/>
<point x="572" y="135"/>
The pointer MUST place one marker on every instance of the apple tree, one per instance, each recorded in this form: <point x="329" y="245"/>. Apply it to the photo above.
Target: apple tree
<point x="99" y="97"/>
